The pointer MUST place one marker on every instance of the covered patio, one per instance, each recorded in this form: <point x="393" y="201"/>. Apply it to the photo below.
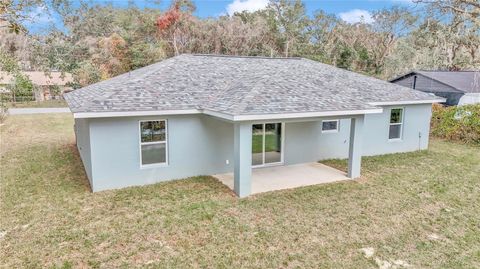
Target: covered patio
<point x="273" y="178"/>
<point x="247" y="178"/>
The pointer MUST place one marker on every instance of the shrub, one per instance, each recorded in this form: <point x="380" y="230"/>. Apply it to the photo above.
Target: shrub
<point x="457" y="123"/>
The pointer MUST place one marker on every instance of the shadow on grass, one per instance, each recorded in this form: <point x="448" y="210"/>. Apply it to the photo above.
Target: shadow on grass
<point x="78" y="167"/>
<point x="44" y="169"/>
<point x="198" y="185"/>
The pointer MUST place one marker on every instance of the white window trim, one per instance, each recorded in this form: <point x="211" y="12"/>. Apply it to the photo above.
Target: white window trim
<point x="140" y="143"/>
<point x="400" y="123"/>
<point x="331" y="131"/>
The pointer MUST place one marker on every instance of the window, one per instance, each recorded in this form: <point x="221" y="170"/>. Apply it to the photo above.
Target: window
<point x="396" y="122"/>
<point x="267" y="141"/>
<point x="330" y="126"/>
<point x="153" y="142"/>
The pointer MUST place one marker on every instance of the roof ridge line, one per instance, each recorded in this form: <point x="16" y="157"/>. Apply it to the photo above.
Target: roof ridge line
<point x="245" y="56"/>
<point x="251" y="94"/>
<point x="448" y="71"/>
<point x="151" y="71"/>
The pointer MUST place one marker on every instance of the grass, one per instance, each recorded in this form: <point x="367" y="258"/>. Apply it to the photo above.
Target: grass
<point x="39" y="104"/>
<point x="422" y="208"/>
<point x="270" y="143"/>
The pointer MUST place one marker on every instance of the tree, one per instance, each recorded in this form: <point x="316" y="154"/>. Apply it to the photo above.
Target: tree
<point x="288" y="22"/>
<point x="467" y="8"/>
<point x="104" y="39"/>
<point x="322" y="30"/>
<point x="101" y="41"/>
<point x="16" y="12"/>
<point x="389" y="25"/>
<point x="448" y="38"/>
<point x="111" y="56"/>
<point x="174" y="25"/>
<point x="21" y="84"/>
<point x="87" y="73"/>
<point x="235" y="36"/>
<point x="345" y="58"/>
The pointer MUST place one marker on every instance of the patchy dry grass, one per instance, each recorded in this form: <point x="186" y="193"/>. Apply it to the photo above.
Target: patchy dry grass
<point x="420" y="209"/>
<point x="39" y="104"/>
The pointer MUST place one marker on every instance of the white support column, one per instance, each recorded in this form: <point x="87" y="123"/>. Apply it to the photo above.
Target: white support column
<point x="355" y="147"/>
<point x="242" y="159"/>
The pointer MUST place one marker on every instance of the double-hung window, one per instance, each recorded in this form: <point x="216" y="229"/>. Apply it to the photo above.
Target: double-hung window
<point x="396" y="124"/>
<point x="330" y="126"/>
<point x="153" y="142"/>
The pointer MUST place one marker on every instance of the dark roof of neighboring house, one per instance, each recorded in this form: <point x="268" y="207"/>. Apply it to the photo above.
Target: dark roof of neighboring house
<point x="236" y="85"/>
<point x="464" y="81"/>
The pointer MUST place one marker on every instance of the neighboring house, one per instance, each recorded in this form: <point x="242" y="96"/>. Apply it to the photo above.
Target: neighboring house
<point x="458" y="87"/>
<point x="204" y="114"/>
<point x="48" y="85"/>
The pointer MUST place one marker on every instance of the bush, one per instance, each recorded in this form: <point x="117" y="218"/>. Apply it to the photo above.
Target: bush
<point x="457" y="123"/>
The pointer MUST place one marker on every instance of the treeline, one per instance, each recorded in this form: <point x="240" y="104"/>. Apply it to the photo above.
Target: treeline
<point x="98" y="42"/>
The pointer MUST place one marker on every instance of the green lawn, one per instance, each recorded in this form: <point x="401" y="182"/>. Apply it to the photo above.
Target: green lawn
<point x="270" y="143"/>
<point x="420" y="208"/>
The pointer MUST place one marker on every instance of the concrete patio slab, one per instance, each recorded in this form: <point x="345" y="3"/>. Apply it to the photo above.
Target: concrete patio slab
<point x="274" y="178"/>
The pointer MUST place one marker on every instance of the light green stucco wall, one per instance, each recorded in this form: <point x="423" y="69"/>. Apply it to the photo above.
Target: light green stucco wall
<point x="201" y="145"/>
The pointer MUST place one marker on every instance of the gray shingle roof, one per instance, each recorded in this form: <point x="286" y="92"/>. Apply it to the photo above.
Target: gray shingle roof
<point x="465" y="81"/>
<point x="238" y="86"/>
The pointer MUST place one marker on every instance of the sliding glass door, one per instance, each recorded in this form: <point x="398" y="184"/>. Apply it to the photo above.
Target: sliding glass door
<point x="266" y="144"/>
<point x="257" y="144"/>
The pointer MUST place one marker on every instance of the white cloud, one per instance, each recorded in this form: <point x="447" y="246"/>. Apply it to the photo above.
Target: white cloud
<point x="39" y="15"/>
<point x="356" y="15"/>
<point x="247" y="5"/>
<point x="39" y="19"/>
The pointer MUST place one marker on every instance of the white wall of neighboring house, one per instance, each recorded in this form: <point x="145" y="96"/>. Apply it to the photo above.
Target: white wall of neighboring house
<point x="469" y="98"/>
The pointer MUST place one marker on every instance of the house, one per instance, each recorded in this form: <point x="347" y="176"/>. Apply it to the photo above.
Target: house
<point x="458" y="87"/>
<point x="208" y="114"/>
<point x="49" y="85"/>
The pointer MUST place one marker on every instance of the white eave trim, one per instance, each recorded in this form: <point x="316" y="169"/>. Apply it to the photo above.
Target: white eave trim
<point x="218" y="114"/>
<point x="395" y="103"/>
<point x="292" y="115"/>
<point x="82" y="115"/>
<point x="225" y="116"/>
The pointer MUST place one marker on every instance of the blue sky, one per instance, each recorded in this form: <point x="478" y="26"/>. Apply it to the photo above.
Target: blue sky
<point x="211" y="7"/>
<point x="349" y="10"/>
